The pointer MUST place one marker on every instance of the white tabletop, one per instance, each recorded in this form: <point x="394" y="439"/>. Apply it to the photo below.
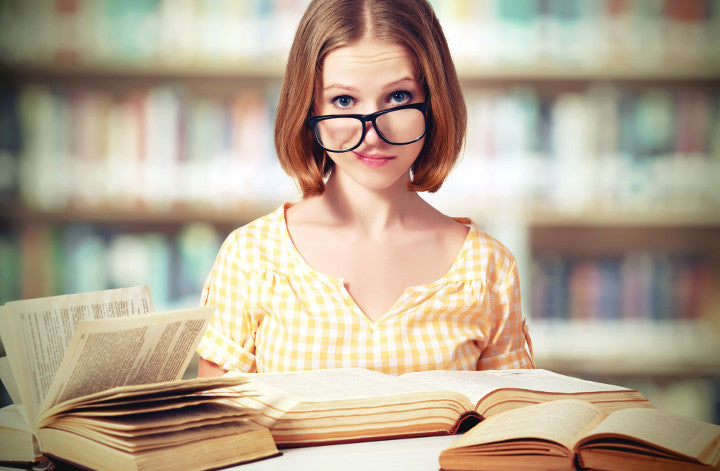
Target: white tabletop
<point x="417" y="454"/>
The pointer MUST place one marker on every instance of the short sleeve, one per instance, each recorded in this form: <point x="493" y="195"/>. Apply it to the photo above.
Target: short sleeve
<point x="506" y="347"/>
<point x="229" y="339"/>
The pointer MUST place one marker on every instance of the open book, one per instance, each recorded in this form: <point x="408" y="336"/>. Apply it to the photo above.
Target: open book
<point x="341" y="405"/>
<point x="96" y="377"/>
<point x="567" y="433"/>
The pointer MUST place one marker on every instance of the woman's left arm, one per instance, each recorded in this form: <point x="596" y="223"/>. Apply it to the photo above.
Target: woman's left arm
<point x="509" y="345"/>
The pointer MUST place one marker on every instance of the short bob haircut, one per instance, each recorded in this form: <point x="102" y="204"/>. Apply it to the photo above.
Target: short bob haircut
<point x="330" y="24"/>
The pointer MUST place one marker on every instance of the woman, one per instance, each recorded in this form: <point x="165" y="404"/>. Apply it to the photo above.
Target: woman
<point x="362" y="272"/>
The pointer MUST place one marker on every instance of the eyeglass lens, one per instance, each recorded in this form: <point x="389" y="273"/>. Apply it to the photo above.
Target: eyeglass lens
<point x="397" y="127"/>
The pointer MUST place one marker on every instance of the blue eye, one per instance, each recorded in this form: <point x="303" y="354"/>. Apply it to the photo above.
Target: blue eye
<point x="343" y="101"/>
<point x="400" y="97"/>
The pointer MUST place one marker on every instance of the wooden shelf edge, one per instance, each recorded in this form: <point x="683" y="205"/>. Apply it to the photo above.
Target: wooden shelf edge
<point x="243" y="69"/>
<point x="272" y="68"/>
<point x="620" y="218"/>
<point x="590" y="72"/>
<point x="639" y="368"/>
<point x="176" y="214"/>
<point x="641" y="347"/>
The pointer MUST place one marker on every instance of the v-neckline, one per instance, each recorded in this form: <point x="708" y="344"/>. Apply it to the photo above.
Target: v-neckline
<point x="339" y="283"/>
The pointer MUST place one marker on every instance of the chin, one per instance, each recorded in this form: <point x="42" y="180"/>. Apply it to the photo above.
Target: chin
<point x="378" y="183"/>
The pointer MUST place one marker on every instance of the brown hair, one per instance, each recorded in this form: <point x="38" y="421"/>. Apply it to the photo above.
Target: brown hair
<point x="330" y="24"/>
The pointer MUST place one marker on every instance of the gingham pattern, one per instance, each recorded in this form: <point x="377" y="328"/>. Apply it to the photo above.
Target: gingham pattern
<point x="276" y="313"/>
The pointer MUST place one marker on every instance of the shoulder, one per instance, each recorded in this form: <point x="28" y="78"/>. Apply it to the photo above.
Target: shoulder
<point x="259" y="240"/>
<point x="486" y="254"/>
<point x="269" y="226"/>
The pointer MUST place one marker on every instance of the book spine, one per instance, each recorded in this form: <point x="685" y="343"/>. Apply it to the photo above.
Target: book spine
<point x="637" y="285"/>
<point x="10" y="275"/>
<point x="10" y="145"/>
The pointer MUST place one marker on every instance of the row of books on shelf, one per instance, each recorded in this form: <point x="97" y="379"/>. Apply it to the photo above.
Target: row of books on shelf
<point x="635" y="286"/>
<point x="605" y="148"/>
<point x="639" y="123"/>
<point x="158" y="146"/>
<point x="600" y="33"/>
<point x="82" y="257"/>
<point x="152" y="147"/>
<point x="149" y="31"/>
<point x="606" y="33"/>
<point x="133" y="412"/>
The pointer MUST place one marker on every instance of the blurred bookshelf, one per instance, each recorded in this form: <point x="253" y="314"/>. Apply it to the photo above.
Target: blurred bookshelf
<point x="135" y="135"/>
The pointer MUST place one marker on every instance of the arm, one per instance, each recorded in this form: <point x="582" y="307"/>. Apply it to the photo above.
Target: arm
<point x="207" y="368"/>
<point x="228" y="343"/>
<point x="509" y="336"/>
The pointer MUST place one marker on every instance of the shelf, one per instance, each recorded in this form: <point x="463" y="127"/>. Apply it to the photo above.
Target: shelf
<point x="628" y="347"/>
<point x="620" y="218"/>
<point x="545" y="216"/>
<point x="239" y="211"/>
<point x="245" y="69"/>
<point x="237" y="214"/>
<point x="589" y="72"/>
<point x="272" y="68"/>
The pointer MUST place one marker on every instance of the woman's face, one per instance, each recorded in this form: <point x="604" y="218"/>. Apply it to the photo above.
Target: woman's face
<point x="363" y="78"/>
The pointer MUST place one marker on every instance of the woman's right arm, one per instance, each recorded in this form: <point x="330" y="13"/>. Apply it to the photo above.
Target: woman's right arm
<point x="229" y="342"/>
<point x="208" y="368"/>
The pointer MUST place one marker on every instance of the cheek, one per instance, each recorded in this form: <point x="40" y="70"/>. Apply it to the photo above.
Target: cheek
<point x="413" y="150"/>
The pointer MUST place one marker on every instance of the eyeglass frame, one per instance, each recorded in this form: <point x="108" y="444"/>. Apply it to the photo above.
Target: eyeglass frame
<point x="364" y="118"/>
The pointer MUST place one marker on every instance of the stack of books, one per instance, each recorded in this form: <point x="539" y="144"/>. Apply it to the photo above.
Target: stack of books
<point x="96" y="382"/>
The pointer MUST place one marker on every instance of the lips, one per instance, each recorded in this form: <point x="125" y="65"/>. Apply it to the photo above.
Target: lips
<point x="373" y="160"/>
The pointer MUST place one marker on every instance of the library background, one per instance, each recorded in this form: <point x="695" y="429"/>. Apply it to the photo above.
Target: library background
<point x="134" y="136"/>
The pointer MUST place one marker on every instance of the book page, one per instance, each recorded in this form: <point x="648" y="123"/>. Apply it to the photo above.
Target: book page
<point x="143" y="349"/>
<point x="274" y="394"/>
<point x="681" y="435"/>
<point x="164" y="420"/>
<point x="560" y="421"/>
<point x="8" y="381"/>
<point x="144" y="396"/>
<point x="14" y="423"/>
<point x="338" y="384"/>
<point x="11" y="417"/>
<point x="475" y="385"/>
<point x="36" y="332"/>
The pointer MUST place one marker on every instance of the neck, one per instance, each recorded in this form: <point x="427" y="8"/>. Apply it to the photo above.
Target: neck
<point x="371" y="213"/>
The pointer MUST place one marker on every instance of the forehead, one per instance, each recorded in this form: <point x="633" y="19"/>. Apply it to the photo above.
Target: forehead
<point x="368" y="56"/>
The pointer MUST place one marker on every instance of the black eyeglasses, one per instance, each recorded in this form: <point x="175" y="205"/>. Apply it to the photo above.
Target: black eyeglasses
<point x="344" y="132"/>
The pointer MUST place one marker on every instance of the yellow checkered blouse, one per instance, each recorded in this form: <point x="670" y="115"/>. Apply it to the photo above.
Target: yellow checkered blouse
<point x="276" y="313"/>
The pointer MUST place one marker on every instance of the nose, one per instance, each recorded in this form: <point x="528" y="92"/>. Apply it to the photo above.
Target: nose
<point x="371" y="135"/>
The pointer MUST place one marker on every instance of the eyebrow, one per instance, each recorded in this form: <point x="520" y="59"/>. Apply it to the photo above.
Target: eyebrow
<point x="350" y="88"/>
